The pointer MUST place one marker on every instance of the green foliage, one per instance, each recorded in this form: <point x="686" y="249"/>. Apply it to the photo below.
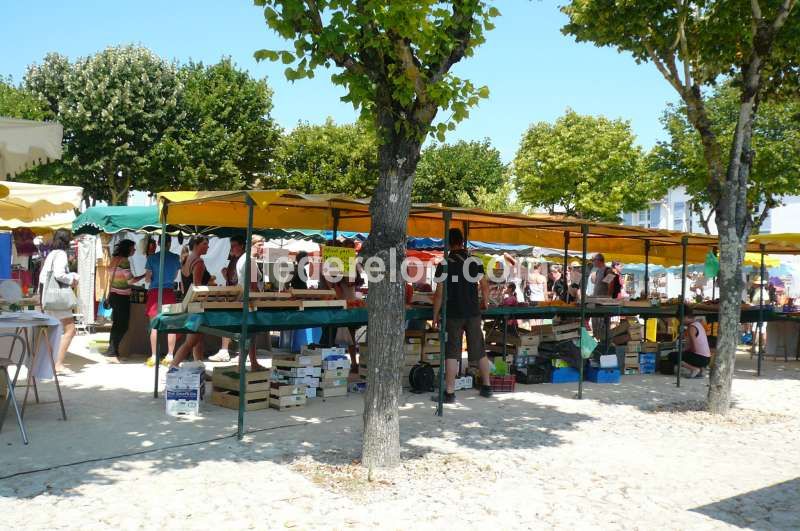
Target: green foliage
<point x="395" y="56"/>
<point x="18" y="103"/>
<point x="133" y="121"/>
<point x="329" y="158"/>
<point x="459" y="174"/>
<point x="776" y="144"/>
<point x="584" y="166"/>
<point x="225" y="138"/>
<point x="114" y="106"/>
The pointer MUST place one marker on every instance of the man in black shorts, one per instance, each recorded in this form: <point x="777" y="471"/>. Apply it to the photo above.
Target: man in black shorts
<point x="464" y="275"/>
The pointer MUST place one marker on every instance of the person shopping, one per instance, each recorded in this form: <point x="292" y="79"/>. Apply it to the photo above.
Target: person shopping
<point x="231" y="279"/>
<point x="464" y="275"/>
<point x="152" y="273"/>
<point x="697" y="354"/>
<point x="119" y="293"/>
<point x="193" y="272"/>
<point x="57" y="264"/>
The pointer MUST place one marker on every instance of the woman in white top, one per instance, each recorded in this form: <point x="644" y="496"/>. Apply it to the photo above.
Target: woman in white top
<point x="57" y="262"/>
<point x="697" y="354"/>
<point x="537" y="283"/>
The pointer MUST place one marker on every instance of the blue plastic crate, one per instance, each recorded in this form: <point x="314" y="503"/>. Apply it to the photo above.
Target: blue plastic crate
<point x="600" y="375"/>
<point x="565" y="375"/>
<point x="647" y="363"/>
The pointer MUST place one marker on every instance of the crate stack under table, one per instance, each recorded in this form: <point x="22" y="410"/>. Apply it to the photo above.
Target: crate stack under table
<point x="412" y="353"/>
<point x="431" y="348"/>
<point x="225" y="393"/>
<point x="295" y="378"/>
<point x="335" y="372"/>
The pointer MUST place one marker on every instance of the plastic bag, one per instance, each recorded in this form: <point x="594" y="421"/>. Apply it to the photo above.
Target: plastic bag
<point x="586" y="343"/>
<point x="104" y="311"/>
<point x="712" y="265"/>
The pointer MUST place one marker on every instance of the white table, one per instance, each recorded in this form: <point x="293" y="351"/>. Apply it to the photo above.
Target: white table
<point x="782" y="339"/>
<point x="42" y="333"/>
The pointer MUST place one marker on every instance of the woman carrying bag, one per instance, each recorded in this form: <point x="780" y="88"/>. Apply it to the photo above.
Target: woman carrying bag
<point x="119" y="293"/>
<point x="55" y="291"/>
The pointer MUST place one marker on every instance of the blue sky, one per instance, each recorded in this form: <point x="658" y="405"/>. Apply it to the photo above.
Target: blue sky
<point x="534" y="73"/>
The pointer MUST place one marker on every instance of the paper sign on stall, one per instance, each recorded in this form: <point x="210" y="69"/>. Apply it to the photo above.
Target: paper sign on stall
<point x="346" y="257"/>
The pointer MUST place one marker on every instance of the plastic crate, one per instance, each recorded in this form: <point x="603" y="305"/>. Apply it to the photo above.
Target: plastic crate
<point x="565" y="375"/>
<point x="647" y="363"/>
<point x="602" y="376"/>
<point x="503" y="384"/>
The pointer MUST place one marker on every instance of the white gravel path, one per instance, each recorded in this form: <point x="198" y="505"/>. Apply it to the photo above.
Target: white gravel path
<point x="630" y="456"/>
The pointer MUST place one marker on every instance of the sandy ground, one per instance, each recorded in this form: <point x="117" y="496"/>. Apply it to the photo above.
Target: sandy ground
<point x="636" y="456"/>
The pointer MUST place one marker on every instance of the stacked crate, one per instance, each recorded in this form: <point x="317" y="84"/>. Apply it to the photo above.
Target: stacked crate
<point x="335" y="372"/>
<point x="431" y="348"/>
<point x="298" y="369"/>
<point x="632" y="351"/>
<point x="225" y="393"/>
<point x="526" y="354"/>
<point x="286" y="396"/>
<point x="412" y="353"/>
<point x="363" y="360"/>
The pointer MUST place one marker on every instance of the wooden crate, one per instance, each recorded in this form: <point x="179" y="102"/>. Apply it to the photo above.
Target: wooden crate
<point x="330" y="392"/>
<point x="287" y="402"/>
<point x="312" y="293"/>
<point x="211" y="294"/>
<point x="432" y="358"/>
<point x="332" y="374"/>
<point x="269" y="295"/>
<point x="632" y="362"/>
<point x="296" y="360"/>
<point x="277" y="389"/>
<point x="230" y="399"/>
<point x="276" y="305"/>
<point x="228" y="378"/>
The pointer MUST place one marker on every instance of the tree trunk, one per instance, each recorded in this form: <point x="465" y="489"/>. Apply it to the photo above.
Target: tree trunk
<point x="386" y="303"/>
<point x="731" y="256"/>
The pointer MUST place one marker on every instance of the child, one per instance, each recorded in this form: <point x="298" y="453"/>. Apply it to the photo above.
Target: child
<point x="510" y="299"/>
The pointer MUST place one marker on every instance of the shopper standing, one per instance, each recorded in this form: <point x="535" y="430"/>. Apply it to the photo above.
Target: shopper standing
<point x="119" y="293"/>
<point x="231" y="278"/>
<point x="464" y="275"/>
<point x="57" y="263"/>
<point x="167" y="282"/>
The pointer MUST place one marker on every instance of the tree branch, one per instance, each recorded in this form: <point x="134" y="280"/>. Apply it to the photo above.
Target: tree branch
<point x="687" y="76"/>
<point x="461" y="33"/>
<point x="783" y="14"/>
<point x="676" y="84"/>
<point x="756" y="9"/>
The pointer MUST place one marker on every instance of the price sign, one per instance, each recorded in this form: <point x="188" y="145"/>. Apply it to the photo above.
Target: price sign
<point x="346" y="256"/>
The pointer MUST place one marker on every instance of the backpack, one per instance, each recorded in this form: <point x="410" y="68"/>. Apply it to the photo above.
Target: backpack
<point x="421" y="378"/>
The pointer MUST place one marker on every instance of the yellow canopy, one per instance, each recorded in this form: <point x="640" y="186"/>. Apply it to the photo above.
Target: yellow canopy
<point x="282" y="209"/>
<point x="21" y="203"/>
<point x="788" y="241"/>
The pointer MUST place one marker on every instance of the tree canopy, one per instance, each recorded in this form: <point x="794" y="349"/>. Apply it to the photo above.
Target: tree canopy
<point x="16" y="102"/>
<point x="115" y="106"/>
<point x="133" y="121"/>
<point x="776" y="152"/>
<point x="583" y="166"/>
<point x="461" y="174"/>
<point x="329" y="158"/>
<point x="225" y="138"/>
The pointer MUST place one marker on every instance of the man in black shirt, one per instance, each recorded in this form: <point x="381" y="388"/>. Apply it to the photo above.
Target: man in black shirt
<point x="464" y="275"/>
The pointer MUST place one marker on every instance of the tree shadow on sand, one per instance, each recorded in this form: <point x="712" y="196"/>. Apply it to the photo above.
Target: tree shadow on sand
<point x="773" y="507"/>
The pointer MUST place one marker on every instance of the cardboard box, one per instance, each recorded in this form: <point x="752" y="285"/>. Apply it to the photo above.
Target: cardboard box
<point x="633" y="346"/>
<point x="329" y="365"/>
<point x="182" y="393"/>
<point x="311" y="392"/>
<point x="278" y="389"/>
<point x="325" y="352"/>
<point x="307" y="359"/>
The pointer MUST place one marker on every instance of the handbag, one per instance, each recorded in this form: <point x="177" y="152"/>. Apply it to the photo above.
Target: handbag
<point x="57" y="297"/>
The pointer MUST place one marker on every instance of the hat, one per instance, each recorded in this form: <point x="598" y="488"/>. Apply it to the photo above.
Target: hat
<point x="575" y="263"/>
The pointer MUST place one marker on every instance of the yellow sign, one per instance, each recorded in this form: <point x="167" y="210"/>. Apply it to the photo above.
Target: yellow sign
<point x="343" y="257"/>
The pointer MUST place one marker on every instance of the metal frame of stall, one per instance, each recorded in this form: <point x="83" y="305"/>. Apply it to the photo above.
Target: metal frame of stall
<point x="651" y="238"/>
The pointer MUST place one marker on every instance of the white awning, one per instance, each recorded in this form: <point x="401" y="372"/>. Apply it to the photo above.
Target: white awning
<point x="25" y="143"/>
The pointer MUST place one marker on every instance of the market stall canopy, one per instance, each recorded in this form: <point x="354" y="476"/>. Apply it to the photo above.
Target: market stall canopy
<point x="282" y="209"/>
<point x="25" y="144"/>
<point x="26" y="202"/>
<point x="114" y="219"/>
<point x="787" y="243"/>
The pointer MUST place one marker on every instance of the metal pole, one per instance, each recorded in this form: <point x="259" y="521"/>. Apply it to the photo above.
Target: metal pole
<point x="335" y="224"/>
<point x="761" y="311"/>
<point x="714" y="286"/>
<point x="681" y="316"/>
<point x="566" y="256"/>
<point x="443" y="319"/>
<point x="244" y="347"/>
<point x="647" y="269"/>
<point x="584" y="279"/>
<point x="157" y="353"/>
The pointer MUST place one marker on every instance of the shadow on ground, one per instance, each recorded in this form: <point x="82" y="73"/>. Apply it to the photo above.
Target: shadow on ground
<point x="773" y="507"/>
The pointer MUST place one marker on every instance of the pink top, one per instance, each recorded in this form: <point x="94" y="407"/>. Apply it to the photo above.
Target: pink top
<point x="700" y="341"/>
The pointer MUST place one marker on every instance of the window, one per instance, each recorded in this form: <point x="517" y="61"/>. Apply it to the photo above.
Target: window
<point x="679" y="216"/>
<point x="655" y="216"/>
<point x="627" y="218"/>
<point x="643" y="218"/>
